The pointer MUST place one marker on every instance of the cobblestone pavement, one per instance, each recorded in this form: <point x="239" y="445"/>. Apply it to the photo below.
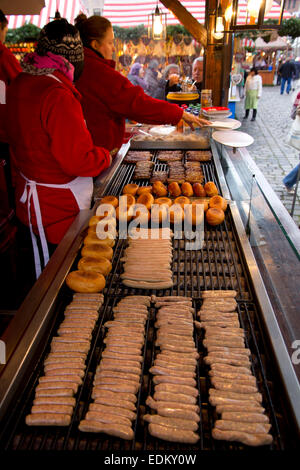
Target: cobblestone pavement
<point x="274" y="157"/>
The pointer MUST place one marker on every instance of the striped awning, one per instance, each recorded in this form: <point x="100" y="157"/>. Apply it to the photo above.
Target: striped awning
<point x="248" y="42"/>
<point x="125" y="12"/>
<point x="68" y="9"/>
<point x="135" y="12"/>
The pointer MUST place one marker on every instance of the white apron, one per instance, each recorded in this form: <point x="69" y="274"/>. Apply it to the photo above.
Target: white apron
<point x="82" y="190"/>
<point x="80" y="187"/>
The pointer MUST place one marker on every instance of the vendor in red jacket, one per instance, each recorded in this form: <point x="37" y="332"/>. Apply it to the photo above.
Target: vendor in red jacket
<point x="53" y="154"/>
<point x="9" y="66"/>
<point x="108" y="98"/>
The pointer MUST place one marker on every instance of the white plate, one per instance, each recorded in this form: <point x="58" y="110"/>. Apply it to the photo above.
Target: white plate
<point x="226" y="124"/>
<point x="162" y="130"/>
<point x="219" y="117"/>
<point x="233" y="138"/>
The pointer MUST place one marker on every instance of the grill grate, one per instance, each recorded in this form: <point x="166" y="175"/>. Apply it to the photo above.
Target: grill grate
<point x="218" y="265"/>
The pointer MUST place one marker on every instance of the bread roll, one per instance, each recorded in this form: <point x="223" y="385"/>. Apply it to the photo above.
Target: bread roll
<point x="163" y="201"/>
<point x="144" y="189"/>
<point x="187" y="189"/>
<point x="194" y="214"/>
<point x="84" y="281"/>
<point x="105" y="210"/>
<point x="201" y="201"/>
<point x="159" y="189"/>
<point x="214" y="216"/>
<point x="113" y="200"/>
<point x="97" y="251"/>
<point x="211" y="189"/>
<point x="135" y="211"/>
<point x="182" y="201"/>
<point x="126" y="200"/>
<point x="218" y="202"/>
<point x="123" y="215"/>
<point x="146" y="199"/>
<point x="174" y="189"/>
<point x="130" y="189"/>
<point x="198" y="189"/>
<point x="98" y="265"/>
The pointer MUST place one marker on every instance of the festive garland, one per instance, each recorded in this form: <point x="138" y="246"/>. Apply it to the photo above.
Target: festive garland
<point x="27" y="32"/>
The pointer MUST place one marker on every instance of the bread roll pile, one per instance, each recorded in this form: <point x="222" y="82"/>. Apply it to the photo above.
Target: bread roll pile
<point x="174" y="370"/>
<point x="234" y="391"/>
<point x="118" y="375"/>
<point x="65" y="366"/>
<point x="148" y="261"/>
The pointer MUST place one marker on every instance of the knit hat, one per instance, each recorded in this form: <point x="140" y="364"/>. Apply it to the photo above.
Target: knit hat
<point x="61" y="38"/>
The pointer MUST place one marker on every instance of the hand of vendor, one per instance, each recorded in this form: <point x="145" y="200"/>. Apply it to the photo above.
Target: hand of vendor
<point x="190" y="119"/>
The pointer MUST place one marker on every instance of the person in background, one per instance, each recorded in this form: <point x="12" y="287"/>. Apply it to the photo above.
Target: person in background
<point x="291" y="179"/>
<point x="153" y="77"/>
<point x="253" y="90"/>
<point x="197" y="73"/>
<point x="278" y="79"/>
<point x="53" y="155"/>
<point x="136" y="76"/>
<point x="259" y="62"/>
<point x="171" y="76"/>
<point x="108" y="98"/>
<point x="287" y="70"/>
<point x="169" y="82"/>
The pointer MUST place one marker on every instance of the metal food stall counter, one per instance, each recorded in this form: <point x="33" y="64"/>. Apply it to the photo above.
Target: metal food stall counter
<point x="225" y="261"/>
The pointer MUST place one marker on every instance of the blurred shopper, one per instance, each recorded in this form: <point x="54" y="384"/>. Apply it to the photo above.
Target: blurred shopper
<point x="108" y="98"/>
<point x="169" y="82"/>
<point x="153" y="77"/>
<point x="293" y="177"/>
<point x="287" y="70"/>
<point x="197" y="73"/>
<point x="136" y="76"/>
<point x="253" y="91"/>
<point x="53" y="155"/>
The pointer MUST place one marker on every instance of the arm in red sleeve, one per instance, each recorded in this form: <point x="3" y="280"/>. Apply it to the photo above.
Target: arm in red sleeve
<point x="131" y="102"/>
<point x="10" y="67"/>
<point x="71" y="142"/>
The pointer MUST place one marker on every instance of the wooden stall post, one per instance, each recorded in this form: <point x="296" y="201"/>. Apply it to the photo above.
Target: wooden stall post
<point x="218" y="57"/>
<point x="217" y="60"/>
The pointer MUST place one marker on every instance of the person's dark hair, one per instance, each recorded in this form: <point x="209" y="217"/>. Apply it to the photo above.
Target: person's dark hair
<point x="255" y="70"/>
<point x="3" y="20"/>
<point x="94" y="27"/>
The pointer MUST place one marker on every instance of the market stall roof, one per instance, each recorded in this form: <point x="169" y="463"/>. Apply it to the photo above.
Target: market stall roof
<point x="134" y="12"/>
<point x="68" y="9"/>
<point x="22" y="7"/>
<point x="120" y="12"/>
<point x="278" y="44"/>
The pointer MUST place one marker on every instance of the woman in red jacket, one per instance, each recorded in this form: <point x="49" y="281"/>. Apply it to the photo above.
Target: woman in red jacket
<point x="9" y="66"/>
<point x="53" y="154"/>
<point x="108" y="98"/>
<point x="9" y="69"/>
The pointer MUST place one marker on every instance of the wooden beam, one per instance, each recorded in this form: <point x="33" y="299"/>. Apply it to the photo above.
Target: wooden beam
<point x="187" y="20"/>
<point x="217" y="60"/>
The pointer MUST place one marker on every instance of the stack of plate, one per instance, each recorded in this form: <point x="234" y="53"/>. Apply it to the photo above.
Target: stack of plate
<point x="216" y="113"/>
